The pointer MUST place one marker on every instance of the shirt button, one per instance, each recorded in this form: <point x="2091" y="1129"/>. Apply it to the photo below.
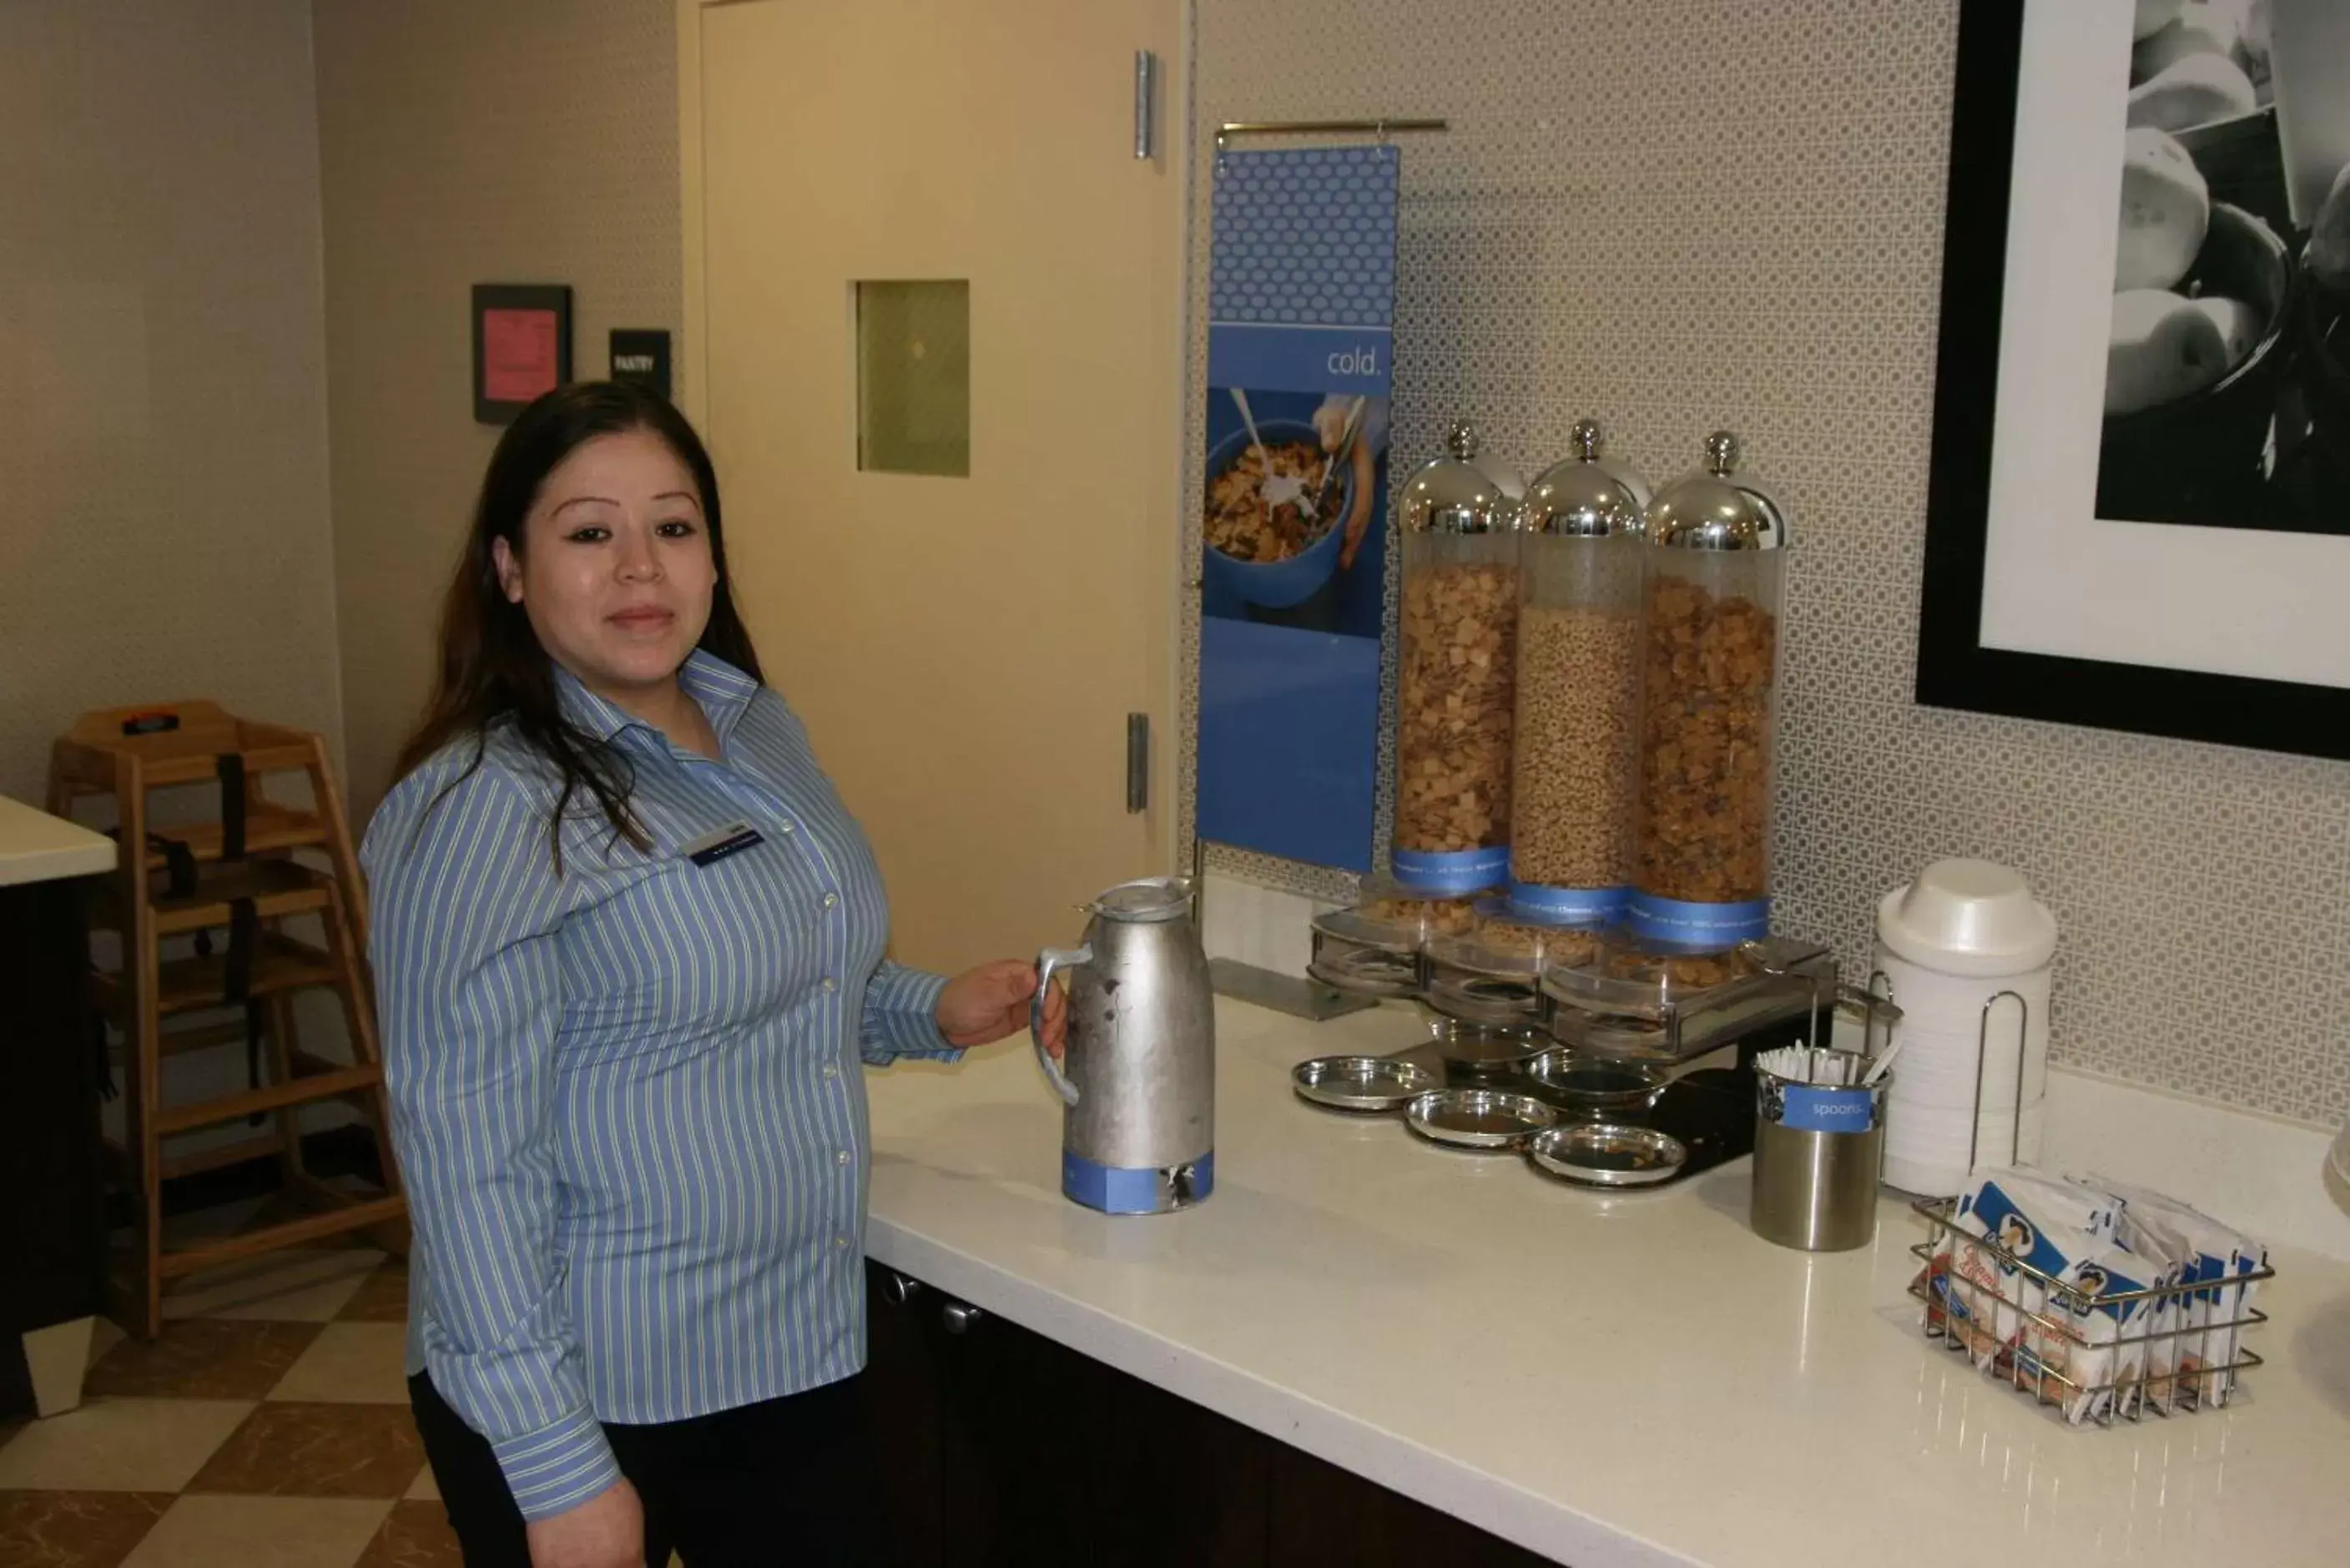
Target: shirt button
<point x="841" y="1158"/>
<point x="830" y="985"/>
<point x="840" y="1243"/>
<point x="786" y="828"/>
<point x="830" y="900"/>
<point x="830" y="1070"/>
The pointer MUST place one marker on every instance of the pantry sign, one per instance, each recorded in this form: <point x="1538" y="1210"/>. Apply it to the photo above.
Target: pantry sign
<point x="1301" y="302"/>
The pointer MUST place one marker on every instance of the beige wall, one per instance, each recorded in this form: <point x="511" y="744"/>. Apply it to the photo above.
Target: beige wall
<point x="1563" y="253"/>
<point x="467" y="141"/>
<point x="162" y="378"/>
<point x="1685" y="213"/>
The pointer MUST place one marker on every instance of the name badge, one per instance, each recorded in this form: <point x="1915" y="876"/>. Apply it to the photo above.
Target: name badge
<point x="732" y="839"/>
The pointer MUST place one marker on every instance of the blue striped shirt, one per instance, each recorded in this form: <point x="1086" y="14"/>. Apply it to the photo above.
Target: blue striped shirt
<point x="626" y="1100"/>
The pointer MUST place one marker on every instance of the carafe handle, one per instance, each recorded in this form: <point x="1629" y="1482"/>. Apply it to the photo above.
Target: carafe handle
<point x="1047" y="963"/>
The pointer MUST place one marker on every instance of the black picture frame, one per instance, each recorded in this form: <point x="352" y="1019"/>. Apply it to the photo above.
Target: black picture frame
<point x="1954" y="669"/>
<point x="495" y="404"/>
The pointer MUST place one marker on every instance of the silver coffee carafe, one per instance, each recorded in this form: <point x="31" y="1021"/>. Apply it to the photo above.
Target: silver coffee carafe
<point x="1138" y="1080"/>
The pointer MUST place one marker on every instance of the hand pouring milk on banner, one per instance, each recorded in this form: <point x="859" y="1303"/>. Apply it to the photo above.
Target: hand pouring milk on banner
<point x="1139" y="1133"/>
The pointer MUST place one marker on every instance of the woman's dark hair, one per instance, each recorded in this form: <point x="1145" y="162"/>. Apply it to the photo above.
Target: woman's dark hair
<point x="492" y="666"/>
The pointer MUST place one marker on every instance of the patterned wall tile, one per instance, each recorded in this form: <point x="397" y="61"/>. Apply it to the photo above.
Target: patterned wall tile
<point x="1693" y="214"/>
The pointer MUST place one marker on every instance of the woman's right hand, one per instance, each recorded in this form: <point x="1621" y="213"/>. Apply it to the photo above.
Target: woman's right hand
<point x="608" y="1531"/>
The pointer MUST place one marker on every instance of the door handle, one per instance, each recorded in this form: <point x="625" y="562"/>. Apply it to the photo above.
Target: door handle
<point x="897" y="1290"/>
<point x="1138" y="764"/>
<point x="1146" y="103"/>
<point x="960" y="1315"/>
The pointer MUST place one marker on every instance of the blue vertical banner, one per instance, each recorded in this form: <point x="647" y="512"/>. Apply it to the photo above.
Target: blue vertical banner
<point x="1301" y="307"/>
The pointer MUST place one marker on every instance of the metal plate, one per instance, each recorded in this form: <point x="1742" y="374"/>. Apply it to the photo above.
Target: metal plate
<point x="1360" y="1082"/>
<point x="1478" y="1119"/>
<point x="1599" y="1154"/>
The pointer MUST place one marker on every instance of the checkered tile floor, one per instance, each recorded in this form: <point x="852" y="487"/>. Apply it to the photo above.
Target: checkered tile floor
<point x="266" y="1428"/>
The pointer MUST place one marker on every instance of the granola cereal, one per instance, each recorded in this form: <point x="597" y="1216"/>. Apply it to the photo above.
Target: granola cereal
<point x="1704" y="809"/>
<point x="1456" y="689"/>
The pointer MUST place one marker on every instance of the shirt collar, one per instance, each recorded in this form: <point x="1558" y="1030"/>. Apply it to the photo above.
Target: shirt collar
<point x="723" y="690"/>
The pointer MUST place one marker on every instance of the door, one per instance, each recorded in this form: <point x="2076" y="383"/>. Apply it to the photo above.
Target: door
<point x="966" y="647"/>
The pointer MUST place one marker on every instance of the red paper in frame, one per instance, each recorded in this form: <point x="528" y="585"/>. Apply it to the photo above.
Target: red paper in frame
<point x="518" y="354"/>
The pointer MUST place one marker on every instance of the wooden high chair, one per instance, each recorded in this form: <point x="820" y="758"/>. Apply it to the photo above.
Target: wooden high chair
<point x="222" y="895"/>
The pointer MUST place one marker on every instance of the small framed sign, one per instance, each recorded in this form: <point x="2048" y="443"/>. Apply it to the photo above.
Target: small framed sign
<point x="640" y="358"/>
<point x="522" y="346"/>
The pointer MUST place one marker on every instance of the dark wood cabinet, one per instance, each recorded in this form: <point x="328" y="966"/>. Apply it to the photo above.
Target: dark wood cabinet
<point x="1326" y="1517"/>
<point x="1000" y="1447"/>
<point x="52" y="1215"/>
<point x="905" y="1393"/>
<point x="1052" y="1457"/>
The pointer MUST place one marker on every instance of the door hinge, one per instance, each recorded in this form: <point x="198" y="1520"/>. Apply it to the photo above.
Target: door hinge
<point x="1146" y="103"/>
<point x="1138" y="762"/>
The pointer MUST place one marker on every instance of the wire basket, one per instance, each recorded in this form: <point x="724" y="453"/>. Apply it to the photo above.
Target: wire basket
<point x="2097" y="1355"/>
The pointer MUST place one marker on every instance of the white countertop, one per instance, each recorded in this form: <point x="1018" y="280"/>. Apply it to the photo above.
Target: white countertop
<point x="37" y="847"/>
<point x="1612" y="1381"/>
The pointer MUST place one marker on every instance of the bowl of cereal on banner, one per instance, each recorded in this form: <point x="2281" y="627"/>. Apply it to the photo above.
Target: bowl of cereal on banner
<point x="1267" y="542"/>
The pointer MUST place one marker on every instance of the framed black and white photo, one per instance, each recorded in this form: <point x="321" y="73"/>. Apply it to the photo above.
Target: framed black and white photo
<point x="2139" y="514"/>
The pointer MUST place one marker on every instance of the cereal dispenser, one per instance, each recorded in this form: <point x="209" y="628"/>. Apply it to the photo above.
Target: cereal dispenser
<point x="1579" y="561"/>
<point x="1454" y="682"/>
<point x="1709" y="679"/>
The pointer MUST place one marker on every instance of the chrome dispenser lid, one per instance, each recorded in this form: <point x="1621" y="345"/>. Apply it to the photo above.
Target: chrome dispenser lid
<point x="1151" y="899"/>
<point x="1578" y="497"/>
<point x="1453" y="495"/>
<point x="1710" y="510"/>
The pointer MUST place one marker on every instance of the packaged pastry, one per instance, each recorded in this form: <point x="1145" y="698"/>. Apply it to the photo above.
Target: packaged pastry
<point x="1989" y="1299"/>
<point x="2217" y="1255"/>
<point x="2093" y="1333"/>
<point x="2170" y="1261"/>
<point x="2062" y="1205"/>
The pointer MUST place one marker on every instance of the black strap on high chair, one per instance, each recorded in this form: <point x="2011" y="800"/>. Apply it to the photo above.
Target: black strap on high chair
<point x="230" y="768"/>
<point x="236" y="985"/>
<point x="245" y="924"/>
<point x="243" y="920"/>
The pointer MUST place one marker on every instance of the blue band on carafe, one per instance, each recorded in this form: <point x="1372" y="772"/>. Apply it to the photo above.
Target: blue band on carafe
<point x="1139" y="1190"/>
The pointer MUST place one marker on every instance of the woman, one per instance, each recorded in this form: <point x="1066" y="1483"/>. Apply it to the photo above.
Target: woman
<point x="628" y="953"/>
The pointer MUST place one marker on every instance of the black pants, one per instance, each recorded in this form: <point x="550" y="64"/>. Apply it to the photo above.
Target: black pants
<point x="786" y="1481"/>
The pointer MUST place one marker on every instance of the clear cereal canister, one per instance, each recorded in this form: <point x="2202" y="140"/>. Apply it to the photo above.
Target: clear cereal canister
<point x="1454" y="676"/>
<point x="1579" y="561"/>
<point x="1709" y="687"/>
